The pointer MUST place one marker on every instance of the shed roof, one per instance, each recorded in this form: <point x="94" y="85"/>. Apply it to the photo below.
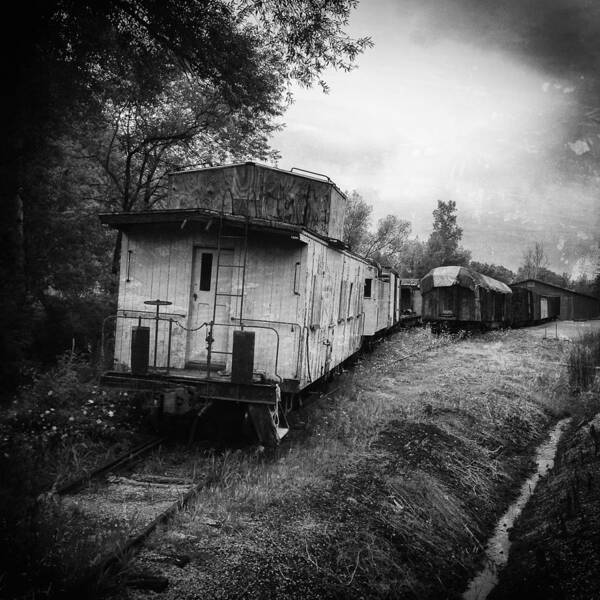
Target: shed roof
<point x="463" y="277"/>
<point x="558" y="287"/>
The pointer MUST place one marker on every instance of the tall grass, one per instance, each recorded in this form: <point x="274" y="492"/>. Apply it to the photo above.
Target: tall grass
<point x="392" y="480"/>
<point x="583" y="362"/>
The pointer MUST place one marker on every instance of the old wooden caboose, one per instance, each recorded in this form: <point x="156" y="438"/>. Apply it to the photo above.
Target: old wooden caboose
<point x="240" y="288"/>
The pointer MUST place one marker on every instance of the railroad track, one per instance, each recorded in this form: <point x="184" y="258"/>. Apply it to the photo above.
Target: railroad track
<point x="166" y="495"/>
<point x="120" y="462"/>
<point x="124" y="509"/>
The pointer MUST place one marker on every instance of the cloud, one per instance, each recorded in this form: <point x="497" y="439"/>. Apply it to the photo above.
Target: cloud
<point x="559" y="37"/>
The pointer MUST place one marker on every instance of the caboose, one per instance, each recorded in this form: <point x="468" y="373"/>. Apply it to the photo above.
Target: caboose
<point x="240" y="290"/>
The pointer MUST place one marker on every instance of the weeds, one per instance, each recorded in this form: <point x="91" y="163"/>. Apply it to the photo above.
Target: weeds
<point x="57" y="426"/>
<point x="387" y="487"/>
<point x="583" y="362"/>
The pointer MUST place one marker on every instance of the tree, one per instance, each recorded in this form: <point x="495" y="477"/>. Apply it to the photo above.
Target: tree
<point x="386" y="243"/>
<point x="495" y="271"/>
<point x="136" y="87"/>
<point x="534" y="259"/>
<point x="357" y="222"/>
<point x="443" y="244"/>
<point x="414" y="262"/>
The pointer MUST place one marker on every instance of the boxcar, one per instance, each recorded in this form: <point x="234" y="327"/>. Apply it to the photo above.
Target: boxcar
<point x="460" y="298"/>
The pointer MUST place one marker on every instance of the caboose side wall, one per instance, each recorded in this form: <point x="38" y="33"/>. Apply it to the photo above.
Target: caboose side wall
<point x="334" y="308"/>
<point x="258" y="191"/>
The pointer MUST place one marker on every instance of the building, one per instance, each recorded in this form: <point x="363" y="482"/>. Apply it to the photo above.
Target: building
<point x="573" y="305"/>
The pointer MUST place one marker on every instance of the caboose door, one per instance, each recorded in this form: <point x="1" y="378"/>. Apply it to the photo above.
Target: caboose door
<point x="206" y="299"/>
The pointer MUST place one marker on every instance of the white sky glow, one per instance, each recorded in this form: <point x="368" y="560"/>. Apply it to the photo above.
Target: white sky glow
<point x="444" y="119"/>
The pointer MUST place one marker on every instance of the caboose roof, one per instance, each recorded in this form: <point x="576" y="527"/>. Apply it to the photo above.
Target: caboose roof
<point x="188" y="217"/>
<point x="463" y="277"/>
<point x="122" y="220"/>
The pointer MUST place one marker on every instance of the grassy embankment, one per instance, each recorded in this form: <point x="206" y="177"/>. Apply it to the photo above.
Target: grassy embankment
<point x="387" y="487"/>
<point x="556" y="541"/>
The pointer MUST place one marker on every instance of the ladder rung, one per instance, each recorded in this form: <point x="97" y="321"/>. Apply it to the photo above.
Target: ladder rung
<point x="220" y="352"/>
<point x="236" y="237"/>
<point x="231" y="295"/>
<point x="233" y="266"/>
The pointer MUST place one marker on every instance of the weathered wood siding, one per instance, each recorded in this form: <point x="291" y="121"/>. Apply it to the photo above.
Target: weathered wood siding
<point x="479" y="305"/>
<point x="257" y="191"/>
<point x="303" y="299"/>
<point x="371" y="304"/>
<point x="334" y="307"/>
<point x="383" y="304"/>
<point x="160" y="267"/>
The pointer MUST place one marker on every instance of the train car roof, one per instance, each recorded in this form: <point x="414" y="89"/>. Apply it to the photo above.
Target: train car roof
<point x="463" y="277"/>
<point x="186" y="217"/>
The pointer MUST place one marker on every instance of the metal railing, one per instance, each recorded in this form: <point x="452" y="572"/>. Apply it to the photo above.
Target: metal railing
<point x="167" y="336"/>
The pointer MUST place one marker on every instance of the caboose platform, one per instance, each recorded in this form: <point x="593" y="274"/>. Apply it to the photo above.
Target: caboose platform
<point x="217" y="387"/>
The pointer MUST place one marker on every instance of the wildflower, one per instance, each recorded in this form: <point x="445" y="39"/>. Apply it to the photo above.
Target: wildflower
<point x="111" y="413"/>
<point x="84" y="411"/>
<point x="90" y="401"/>
<point x="53" y="427"/>
<point x="99" y="421"/>
<point x="71" y="418"/>
<point x="50" y="392"/>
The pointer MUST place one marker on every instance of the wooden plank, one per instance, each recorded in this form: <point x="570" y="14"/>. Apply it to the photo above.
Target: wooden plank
<point x="258" y="191"/>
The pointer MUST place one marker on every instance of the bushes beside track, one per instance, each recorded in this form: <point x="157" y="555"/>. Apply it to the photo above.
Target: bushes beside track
<point x="57" y="427"/>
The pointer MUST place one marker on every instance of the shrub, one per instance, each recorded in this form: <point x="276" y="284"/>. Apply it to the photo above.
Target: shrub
<point x="57" y="426"/>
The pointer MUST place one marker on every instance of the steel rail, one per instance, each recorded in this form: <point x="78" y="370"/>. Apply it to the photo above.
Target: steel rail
<point x="118" y="556"/>
<point x="115" y="463"/>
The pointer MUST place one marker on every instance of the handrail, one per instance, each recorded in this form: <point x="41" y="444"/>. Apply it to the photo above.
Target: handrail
<point x="259" y="327"/>
<point x="170" y="320"/>
<point x="311" y="172"/>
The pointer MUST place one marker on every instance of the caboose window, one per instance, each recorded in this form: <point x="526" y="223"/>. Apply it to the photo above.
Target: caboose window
<point x="368" y="284"/>
<point x="205" y="271"/>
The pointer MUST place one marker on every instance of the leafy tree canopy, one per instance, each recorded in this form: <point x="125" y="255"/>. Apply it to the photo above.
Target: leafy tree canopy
<point x="495" y="271"/>
<point x="357" y="222"/>
<point x="106" y="97"/>
<point x="443" y="244"/>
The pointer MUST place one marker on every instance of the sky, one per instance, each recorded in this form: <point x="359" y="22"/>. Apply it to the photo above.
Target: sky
<point x="489" y="104"/>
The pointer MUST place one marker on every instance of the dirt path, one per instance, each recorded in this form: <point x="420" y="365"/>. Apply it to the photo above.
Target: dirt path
<point x="388" y="487"/>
